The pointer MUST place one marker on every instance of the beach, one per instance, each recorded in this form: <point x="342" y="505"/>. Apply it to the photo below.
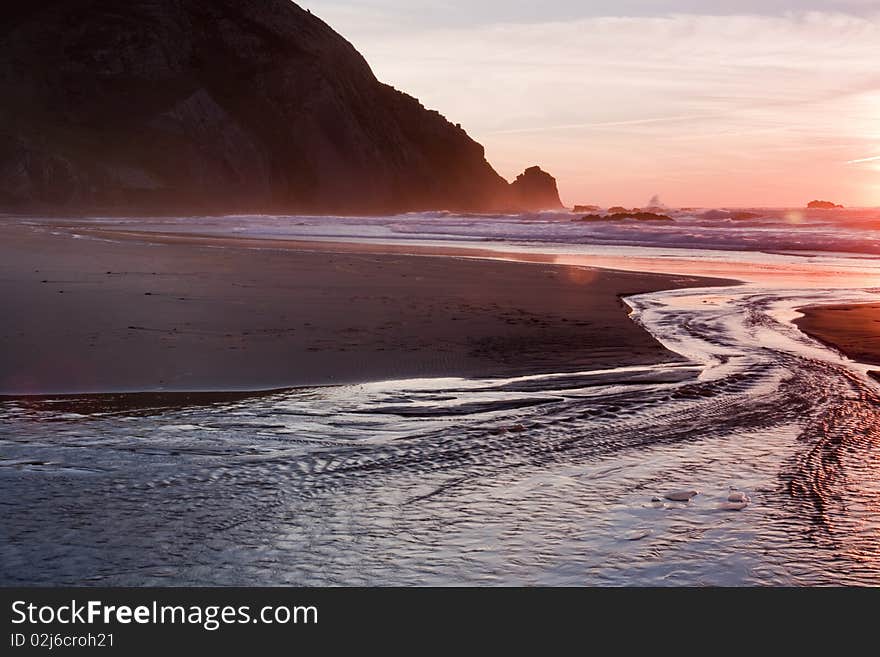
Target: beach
<point x="852" y="329"/>
<point x="303" y="296"/>
<point x="371" y="403"/>
<point x="159" y="313"/>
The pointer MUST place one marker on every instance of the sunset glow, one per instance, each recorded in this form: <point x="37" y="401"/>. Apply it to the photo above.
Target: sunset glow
<point x="307" y="294"/>
<point x="621" y="101"/>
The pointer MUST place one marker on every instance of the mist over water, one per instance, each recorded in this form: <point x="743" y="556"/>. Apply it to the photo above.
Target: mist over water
<point x="558" y="479"/>
<point x="749" y="229"/>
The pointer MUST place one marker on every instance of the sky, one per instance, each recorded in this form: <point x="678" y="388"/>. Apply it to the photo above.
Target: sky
<point x="724" y="103"/>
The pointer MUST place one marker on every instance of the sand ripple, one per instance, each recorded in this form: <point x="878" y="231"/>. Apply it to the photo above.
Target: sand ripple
<point x="587" y="478"/>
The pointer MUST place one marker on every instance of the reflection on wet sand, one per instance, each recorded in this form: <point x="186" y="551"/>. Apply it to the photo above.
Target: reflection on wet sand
<point x="546" y="479"/>
<point x="51" y="408"/>
<point x="750" y="460"/>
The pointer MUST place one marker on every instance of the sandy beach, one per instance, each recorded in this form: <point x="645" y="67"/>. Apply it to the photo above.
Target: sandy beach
<point x="87" y="315"/>
<point x="853" y="329"/>
<point x="201" y="478"/>
<point x="446" y="295"/>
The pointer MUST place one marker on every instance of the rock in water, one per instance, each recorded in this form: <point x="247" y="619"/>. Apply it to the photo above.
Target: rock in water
<point x="188" y="106"/>
<point x="535" y="189"/>
<point x="681" y="495"/>
<point x="823" y="205"/>
<point x="736" y="501"/>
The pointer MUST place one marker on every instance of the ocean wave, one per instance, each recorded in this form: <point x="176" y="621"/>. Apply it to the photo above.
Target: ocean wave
<point x="741" y="229"/>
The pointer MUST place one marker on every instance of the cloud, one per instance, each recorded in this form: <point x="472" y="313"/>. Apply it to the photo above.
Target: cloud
<point x="392" y="15"/>
<point x="612" y="104"/>
<point x="599" y="125"/>
<point x="864" y="160"/>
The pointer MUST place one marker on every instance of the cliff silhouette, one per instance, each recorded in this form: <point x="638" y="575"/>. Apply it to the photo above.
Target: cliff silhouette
<point x="186" y="106"/>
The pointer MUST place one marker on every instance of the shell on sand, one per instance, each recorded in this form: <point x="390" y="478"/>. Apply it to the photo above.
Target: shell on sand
<point x="681" y="495"/>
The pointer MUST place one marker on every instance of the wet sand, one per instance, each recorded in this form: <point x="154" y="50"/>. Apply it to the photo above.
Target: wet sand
<point x="853" y="329"/>
<point x="84" y="315"/>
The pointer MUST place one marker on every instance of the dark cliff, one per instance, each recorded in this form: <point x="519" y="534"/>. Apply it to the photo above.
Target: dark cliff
<point x="216" y="106"/>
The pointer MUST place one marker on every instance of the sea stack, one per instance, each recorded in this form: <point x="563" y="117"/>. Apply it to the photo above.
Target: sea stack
<point x="220" y="106"/>
<point x="535" y="189"/>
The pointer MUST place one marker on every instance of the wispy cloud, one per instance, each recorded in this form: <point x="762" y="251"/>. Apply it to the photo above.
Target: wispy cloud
<point x="863" y="160"/>
<point x="599" y="125"/>
<point x="386" y="15"/>
<point x="617" y="104"/>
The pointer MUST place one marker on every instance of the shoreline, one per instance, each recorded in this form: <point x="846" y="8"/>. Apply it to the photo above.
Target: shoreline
<point x="158" y="314"/>
<point x="853" y="329"/>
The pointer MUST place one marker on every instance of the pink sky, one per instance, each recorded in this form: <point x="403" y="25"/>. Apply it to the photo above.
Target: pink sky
<point x="772" y="109"/>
